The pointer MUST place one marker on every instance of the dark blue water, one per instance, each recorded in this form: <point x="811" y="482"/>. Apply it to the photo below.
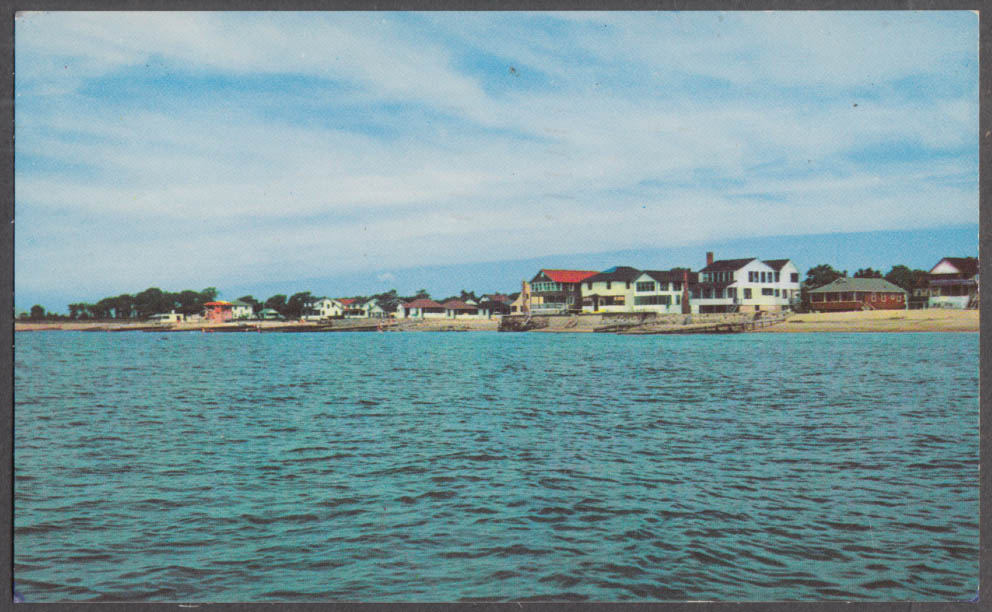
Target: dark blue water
<point x="432" y="466"/>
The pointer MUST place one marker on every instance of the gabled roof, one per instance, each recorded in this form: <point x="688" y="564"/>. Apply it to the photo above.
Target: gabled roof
<point x="565" y="276"/>
<point x="672" y="276"/>
<point x="776" y="264"/>
<point x="422" y="303"/>
<point x="217" y="303"/>
<point x="965" y="265"/>
<point x="725" y="265"/>
<point x="346" y="301"/>
<point x="878" y="285"/>
<point x="623" y="274"/>
<point x="458" y="305"/>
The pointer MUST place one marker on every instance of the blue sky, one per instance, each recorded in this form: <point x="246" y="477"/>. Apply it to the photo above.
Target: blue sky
<point x="271" y="150"/>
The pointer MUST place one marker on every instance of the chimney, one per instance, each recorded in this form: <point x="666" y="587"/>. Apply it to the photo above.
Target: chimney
<point x="709" y="258"/>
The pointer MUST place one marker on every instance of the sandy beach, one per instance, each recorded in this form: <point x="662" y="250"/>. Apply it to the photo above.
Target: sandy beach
<point x="931" y="320"/>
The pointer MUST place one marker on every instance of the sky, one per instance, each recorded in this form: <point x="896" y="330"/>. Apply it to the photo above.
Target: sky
<point x="350" y="153"/>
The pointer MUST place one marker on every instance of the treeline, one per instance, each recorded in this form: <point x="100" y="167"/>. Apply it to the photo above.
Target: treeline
<point x="188" y="302"/>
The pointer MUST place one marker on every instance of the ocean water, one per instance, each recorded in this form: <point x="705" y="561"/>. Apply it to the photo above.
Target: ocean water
<point x="447" y="466"/>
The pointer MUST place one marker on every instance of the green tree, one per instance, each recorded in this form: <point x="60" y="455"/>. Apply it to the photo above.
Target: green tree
<point x="124" y="306"/>
<point x="190" y="302"/>
<point x="277" y="302"/>
<point x="148" y="302"/>
<point x="37" y="312"/>
<point x="867" y="273"/>
<point x="905" y="278"/>
<point x="817" y="276"/>
<point x="297" y="303"/>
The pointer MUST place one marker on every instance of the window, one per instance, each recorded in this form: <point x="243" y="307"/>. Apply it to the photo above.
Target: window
<point x="730" y="292"/>
<point x="776" y="277"/>
<point x="652" y="300"/>
<point x="608" y="283"/>
<point x="747" y="293"/>
<point x="750" y="277"/>
<point x="589" y="286"/>
<point x="767" y="291"/>
<point x="795" y="277"/>
<point x="776" y="293"/>
<point x="816" y="297"/>
<point x="619" y="300"/>
<point x="628" y="284"/>
<point x="678" y="298"/>
<point x="645" y="287"/>
<point x="885" y="297"/>
<point x="676" y="286"/>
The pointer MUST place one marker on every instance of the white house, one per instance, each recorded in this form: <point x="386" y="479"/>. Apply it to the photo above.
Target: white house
<point x="611" y="290"/>
<point x="745" y="285"/>
<point x="373" y="310"/>
<point x="323" y="308"/>
<point x="661" y="290"/>
<point x="241" y="310"/>
<point x="457" y="309"/>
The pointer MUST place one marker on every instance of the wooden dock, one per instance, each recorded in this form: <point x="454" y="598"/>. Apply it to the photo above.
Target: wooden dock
<point x="726" y="327"/>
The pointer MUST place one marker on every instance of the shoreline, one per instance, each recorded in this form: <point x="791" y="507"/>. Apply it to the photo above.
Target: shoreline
<point x="930" y="320"/>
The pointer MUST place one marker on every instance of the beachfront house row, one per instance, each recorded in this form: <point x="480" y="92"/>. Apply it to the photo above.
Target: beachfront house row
<point x="556" y="291"/>
<point x="421" y="309"/>
<point x="858" y="294"/>
<point x="954" y="283"/>
<point x="241" y="310"/>
<point x="323" y="308"/>
<point x="745" y="285"/>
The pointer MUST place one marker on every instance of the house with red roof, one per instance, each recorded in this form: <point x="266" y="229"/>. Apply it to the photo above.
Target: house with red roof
<point x="421" y="309"/>
<point x="218" y="311"/>
<point x="954" y="283"/>
<point x="554" y="291"/>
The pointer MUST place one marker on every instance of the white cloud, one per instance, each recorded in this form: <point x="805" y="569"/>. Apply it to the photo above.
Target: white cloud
<point x="558" y="167"/>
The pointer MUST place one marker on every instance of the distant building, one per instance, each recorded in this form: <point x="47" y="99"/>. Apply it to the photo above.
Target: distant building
<point x="858" y="294"/>
<point x="421" y="309"/>
<point x="168" y="317"/>
<point x="497" y="307"/>
<point x="457" y="309"/>
<point x="557" y="291"/>
<point x="218" y="311"/>
<point x="373" y="310"/>
<point x="323" y="308"/>
<point x="954" y="283"/>
<point x="269" y="314"/>
<point x="662" y="290"/>
<point x="746" y="285"/>
<point x="241" y="310"/>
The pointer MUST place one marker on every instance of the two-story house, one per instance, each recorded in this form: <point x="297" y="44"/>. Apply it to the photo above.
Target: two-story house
<point x="954" y="283"/>
<point x="556" y="291"/>
<point x="323" y="308"/>
<point x="745" y="285"/>
<point x="611" y="290"/>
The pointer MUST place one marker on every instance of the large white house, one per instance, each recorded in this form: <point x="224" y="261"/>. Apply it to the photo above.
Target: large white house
<point x="746" y="285"/>
<point x="323" y="308"/>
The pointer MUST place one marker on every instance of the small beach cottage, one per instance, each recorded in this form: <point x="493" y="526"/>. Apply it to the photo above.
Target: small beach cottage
<point x="457" y="309"/>
<point x="954" y="283"/>
<point x="858" y="294"/>
<point x="421" y="309"/>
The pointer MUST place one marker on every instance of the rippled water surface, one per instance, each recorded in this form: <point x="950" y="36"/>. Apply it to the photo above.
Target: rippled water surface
<point x="433" y="466"/>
